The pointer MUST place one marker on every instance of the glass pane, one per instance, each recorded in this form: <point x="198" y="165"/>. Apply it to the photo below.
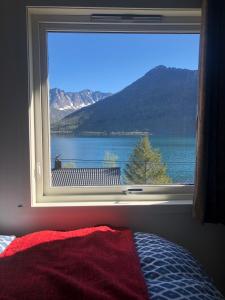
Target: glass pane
<point x="122" y="108"/>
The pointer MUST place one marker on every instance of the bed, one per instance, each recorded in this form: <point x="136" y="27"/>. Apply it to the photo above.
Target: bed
<point x="169" y="271"/>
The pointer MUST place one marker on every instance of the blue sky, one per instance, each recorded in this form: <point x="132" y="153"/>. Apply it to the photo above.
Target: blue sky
<point x="109" y="62"/>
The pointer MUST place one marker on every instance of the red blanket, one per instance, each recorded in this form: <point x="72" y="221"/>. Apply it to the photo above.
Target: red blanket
<point x="97" y="263"/>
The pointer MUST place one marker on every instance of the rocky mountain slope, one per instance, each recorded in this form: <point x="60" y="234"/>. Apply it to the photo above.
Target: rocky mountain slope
<point x="64" y="103"/>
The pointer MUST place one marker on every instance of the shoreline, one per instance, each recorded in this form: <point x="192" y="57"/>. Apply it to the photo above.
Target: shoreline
<point x="99" y="134"/>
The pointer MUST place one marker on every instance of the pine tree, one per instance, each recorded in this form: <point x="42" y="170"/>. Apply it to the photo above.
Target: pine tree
<point x="145" y="165"/>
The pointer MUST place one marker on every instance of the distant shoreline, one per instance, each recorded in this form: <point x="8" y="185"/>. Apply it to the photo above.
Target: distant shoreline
<point x="94" y="133"/>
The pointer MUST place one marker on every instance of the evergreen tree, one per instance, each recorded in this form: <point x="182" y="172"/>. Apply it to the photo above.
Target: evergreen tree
<point x="145" y="166"/>
<point x="110" y="160"/>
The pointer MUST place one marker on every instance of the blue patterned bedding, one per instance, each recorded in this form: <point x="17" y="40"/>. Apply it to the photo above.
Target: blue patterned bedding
<point x="5" y="240"/>
<point x="171" y="272"/>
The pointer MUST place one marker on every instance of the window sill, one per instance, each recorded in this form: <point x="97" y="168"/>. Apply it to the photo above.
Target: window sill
<point x="113" y="203"/>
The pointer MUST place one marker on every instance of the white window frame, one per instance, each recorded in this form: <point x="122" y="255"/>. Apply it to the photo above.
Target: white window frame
<point x="43" y="20"/>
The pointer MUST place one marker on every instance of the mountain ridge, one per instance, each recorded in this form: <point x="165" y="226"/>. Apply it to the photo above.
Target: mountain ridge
<point x="163" y="101"/>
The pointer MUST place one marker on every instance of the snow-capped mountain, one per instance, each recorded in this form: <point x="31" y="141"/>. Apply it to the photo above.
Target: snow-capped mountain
<point x="63" y="103"/>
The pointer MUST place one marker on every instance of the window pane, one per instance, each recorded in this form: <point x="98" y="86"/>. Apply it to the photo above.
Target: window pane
<point x="122" y="108"/>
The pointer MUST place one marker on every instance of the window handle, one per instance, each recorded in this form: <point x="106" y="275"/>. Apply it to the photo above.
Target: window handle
<point x="132" y="191"/>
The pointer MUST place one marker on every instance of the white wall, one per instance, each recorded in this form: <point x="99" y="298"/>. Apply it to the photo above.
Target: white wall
<point x="206" y="242"/>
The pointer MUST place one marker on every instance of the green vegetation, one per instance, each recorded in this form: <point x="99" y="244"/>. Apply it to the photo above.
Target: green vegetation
<point x="110" y="160"/>
<point x="69" y="165"/>
<point x="145" y="166"/>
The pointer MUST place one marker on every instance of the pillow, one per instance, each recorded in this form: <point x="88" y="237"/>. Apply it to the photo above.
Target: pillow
<point x="171" y="272"/>
<point x="5" y="240"/>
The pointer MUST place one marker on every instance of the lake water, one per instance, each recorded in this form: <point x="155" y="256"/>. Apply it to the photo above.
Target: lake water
<point x="178" y="153"/>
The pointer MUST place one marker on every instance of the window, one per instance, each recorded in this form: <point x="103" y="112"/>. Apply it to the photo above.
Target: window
<point x="113" y="104"/>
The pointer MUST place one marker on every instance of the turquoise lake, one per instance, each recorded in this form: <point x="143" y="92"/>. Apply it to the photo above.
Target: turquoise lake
<point x="178" y="153"/>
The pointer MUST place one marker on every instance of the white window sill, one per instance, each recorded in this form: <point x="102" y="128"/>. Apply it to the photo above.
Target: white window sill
<point x="113" y="203"/>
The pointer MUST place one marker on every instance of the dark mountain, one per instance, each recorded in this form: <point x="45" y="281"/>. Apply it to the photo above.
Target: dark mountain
<point x="64" y="103"/>
<point x="163" y="101"/>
